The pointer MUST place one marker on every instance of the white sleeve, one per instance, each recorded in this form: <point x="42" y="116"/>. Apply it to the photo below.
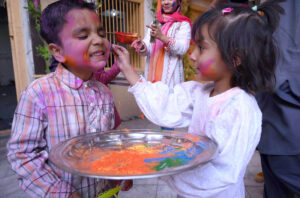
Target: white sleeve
<point x="181" y="42"/>
<point x="162" y="105"/>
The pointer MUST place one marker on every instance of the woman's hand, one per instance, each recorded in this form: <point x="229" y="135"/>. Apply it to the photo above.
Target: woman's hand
<point x="156" y="33"/>
<point x="138" y="45"/>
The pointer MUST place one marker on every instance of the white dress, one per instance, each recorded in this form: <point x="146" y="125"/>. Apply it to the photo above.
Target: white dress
<point x="180" y="32"/>
<point x="232" y="119"/>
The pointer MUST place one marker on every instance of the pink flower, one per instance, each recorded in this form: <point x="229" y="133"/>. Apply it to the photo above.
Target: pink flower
<point x="36" y="3"/>
<point x="226" y="11"/>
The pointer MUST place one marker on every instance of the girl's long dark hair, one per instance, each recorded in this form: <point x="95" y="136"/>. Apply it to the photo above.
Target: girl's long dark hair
<point x="245" y="40"/>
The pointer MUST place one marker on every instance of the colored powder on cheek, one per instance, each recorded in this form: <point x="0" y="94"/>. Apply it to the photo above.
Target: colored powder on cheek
<point x="207" y="69"/>
<point x="86" y="58"/>
<point x="69" y="60"/>
<point x="174" y="5"/>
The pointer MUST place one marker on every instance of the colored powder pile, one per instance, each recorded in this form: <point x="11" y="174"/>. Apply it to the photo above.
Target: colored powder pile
<point x="129" y="161"/>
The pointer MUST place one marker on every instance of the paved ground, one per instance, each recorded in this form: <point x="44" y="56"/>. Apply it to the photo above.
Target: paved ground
<point x="146" y="188"/>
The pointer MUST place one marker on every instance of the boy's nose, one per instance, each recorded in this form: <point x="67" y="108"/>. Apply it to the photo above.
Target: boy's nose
<point x="98" y="40"/>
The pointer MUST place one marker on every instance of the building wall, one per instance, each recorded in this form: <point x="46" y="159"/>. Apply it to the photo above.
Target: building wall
<point x="27" y="40"/>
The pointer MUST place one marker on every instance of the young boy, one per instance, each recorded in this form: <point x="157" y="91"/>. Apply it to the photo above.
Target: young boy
<point x="63" y="104"/>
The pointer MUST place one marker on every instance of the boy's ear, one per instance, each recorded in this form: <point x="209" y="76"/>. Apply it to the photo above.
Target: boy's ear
<point x="56" y="51"/>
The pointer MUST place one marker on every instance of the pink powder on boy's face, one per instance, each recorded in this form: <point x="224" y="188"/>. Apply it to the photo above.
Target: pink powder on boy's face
<point x="206" y="69"/>
<point x="84" y="45"/>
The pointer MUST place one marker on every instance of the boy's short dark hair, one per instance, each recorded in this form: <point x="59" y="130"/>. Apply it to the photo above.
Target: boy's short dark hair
<point x="53" y="17"/>
<point x="245" y="36"/>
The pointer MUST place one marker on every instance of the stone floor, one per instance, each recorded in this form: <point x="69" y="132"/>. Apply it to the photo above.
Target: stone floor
<point x="146" y="188"/>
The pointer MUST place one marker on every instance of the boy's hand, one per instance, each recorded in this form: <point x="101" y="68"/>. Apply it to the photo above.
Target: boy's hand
<point x="123" y="61"/>
<point x="138" y="45"/>
<point x="127" y="185"/>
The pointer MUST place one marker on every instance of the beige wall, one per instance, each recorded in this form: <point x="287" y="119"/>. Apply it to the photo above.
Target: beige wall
<point x="44" y="3"/>
<point x="124" y="101"/>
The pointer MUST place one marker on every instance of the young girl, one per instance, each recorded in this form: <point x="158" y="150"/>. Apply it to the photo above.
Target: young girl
<point x="235" y="50"/>
<point x="172" y="40"/>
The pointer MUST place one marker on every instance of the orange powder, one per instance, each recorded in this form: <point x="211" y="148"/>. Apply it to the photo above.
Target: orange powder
<point x="129" y="161"/>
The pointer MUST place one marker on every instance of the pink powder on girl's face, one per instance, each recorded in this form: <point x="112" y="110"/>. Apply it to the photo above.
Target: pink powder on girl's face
<point x="206" y="69"/>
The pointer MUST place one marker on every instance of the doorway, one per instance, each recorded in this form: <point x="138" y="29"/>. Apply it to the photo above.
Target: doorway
<point x="8" y="98"/>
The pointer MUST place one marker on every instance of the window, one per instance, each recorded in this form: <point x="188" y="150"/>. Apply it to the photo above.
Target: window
<point x="123" y="16"/>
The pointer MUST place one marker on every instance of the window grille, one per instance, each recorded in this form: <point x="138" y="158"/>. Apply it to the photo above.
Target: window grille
<point x="123" y="16"/>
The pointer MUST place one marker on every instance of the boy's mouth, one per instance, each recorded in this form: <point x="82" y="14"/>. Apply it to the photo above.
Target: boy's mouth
<point x="99" y="55"/>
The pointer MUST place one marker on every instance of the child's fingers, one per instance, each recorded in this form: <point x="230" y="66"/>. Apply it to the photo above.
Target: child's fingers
<point x="120" y="51"/>
<point x="117" y="49"/>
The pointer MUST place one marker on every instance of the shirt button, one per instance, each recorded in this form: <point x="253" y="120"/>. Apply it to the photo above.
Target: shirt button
<point x="93" y="130"/>
<point x="92" y="104"/>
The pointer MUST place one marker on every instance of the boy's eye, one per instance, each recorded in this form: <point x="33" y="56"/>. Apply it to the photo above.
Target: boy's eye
<point x="102" y="34"/>
<point x="82" y="37"/>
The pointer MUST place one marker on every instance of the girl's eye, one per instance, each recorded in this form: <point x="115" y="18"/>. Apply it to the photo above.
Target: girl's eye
<point x="201" y="48"/>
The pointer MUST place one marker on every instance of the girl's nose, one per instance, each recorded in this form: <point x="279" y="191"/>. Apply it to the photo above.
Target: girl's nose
<point x="193" y="55"/>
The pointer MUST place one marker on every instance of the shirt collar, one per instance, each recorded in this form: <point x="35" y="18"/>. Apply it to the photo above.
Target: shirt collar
<point x="67" y="77"/>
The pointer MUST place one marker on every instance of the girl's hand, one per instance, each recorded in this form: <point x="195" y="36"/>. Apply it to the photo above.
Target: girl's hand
<point x="138" y="45"/>
<point x="122" y="57"/>
<point x="123" y="61"/>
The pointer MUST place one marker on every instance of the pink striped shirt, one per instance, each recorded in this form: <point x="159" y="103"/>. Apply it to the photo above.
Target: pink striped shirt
<point x="52" y="109"/>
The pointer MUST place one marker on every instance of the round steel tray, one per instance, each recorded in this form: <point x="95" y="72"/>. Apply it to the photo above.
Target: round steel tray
<point x="178" y="152"/>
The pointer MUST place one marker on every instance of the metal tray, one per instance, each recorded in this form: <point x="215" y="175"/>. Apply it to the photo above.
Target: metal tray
<point x="176" y="151"/>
